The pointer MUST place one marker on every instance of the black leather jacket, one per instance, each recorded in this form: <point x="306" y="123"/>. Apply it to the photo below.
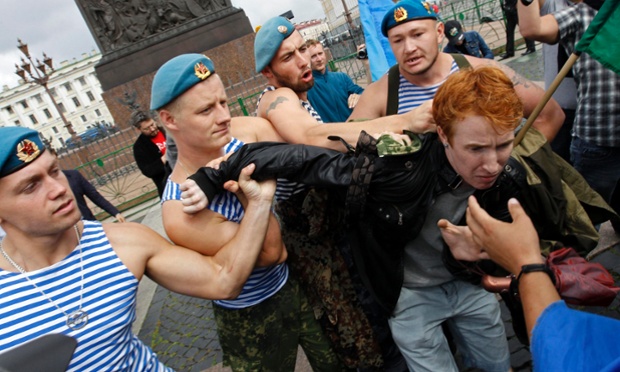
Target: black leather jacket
<point x="387" y="199"/>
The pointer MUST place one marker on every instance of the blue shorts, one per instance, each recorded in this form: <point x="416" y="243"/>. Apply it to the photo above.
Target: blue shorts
<point x="473" y="316"/>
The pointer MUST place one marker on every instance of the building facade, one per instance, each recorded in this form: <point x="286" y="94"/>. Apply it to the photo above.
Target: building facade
<point x="77" y="91"/>
<point x="337" y="17"/>
<point x="312" y="29"/>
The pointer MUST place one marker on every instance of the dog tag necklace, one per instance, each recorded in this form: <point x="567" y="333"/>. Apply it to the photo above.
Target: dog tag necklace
<point x="77" y="319"/>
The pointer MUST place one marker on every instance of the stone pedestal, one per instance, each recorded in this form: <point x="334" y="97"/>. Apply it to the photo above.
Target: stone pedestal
<point x="196" y="36"/>
<point x="136" y="37"/>
<point x="234" y="61"/>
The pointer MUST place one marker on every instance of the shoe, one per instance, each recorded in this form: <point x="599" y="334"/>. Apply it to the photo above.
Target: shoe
<point x="528" y="51"/>
<point x="505" y="56"/>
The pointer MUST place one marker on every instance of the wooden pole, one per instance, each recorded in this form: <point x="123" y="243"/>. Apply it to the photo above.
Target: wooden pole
<point x="546" y="97"/>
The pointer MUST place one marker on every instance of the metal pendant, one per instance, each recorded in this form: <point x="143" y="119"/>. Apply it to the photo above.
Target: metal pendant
<point x="77" y="320"/>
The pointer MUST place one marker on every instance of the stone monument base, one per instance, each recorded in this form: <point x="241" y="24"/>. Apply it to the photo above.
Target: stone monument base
<point x="228" y="40"/>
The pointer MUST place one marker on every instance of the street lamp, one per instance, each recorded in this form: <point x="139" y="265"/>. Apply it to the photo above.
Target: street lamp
<point x="41" y="75"/>
<point x="347" y="16"/>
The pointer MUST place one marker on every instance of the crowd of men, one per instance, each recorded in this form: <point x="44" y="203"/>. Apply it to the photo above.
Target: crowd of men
<point x="361" y="252"/>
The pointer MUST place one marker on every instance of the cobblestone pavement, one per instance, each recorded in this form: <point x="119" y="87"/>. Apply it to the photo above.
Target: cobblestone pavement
<point x="181" y="329"/>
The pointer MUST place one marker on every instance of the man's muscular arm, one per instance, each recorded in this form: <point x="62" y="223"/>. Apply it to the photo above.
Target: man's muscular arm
<point x="550" y="119"/>
<point x="188" y="272"/>
<point x="250" y="129"/>
<point x="283" y="109"/>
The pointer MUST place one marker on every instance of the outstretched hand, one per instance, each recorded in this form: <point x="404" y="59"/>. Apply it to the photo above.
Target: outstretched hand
<point x="511" y="245"/>
<point x="461" y="242"/>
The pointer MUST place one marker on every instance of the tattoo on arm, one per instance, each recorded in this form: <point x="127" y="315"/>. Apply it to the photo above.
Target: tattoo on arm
<point x="275" y="103"/>
<point x="515" y="77"/>
<point x="520" y="80"/>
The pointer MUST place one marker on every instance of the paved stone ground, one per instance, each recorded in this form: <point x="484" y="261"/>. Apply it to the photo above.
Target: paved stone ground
<point x="182" y="332"/>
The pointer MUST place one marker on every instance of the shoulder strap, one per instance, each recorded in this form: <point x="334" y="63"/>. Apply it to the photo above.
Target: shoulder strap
<point x="393" y="84"/>
<point x="460" y="60"/>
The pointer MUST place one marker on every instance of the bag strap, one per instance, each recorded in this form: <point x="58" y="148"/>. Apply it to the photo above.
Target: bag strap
<point x="460" y="60"/>
<point x="393" y="84"/>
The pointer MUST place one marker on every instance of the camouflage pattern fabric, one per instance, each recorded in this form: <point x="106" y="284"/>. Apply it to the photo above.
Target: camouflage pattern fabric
<point x="312" y="227"/>
<point x="264" y="337"/>
<point x="388" y="145"/>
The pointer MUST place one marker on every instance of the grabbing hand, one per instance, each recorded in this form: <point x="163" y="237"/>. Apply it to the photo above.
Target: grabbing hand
<point x="251" y="190"/>
<point x="119" y="217"/>
<point x="421" y="118"/>
<point x="192" y="197"/>
<point x="511" y="245"/>
<point x="461" y="242"/>
<point x="215" y="163"/>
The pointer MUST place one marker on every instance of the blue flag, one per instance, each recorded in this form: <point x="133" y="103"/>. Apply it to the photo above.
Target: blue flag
<point x="379" y="52"/>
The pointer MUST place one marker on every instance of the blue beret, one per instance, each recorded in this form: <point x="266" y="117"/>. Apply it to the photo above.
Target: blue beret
<point x="405" y="11"/>
<point x="178" y="75"/>
<point x="268" y="40"/>
<point x="18" y="147"/>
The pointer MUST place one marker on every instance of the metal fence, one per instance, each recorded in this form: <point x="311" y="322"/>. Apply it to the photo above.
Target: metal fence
<point x="108" y="162"/>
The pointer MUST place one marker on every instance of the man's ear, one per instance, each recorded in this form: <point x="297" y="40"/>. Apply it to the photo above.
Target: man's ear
<point x="440" y="32"/>
<point x="267" y="72"/>
<point x="442" y="136"/>
<point x="167" y="119"/>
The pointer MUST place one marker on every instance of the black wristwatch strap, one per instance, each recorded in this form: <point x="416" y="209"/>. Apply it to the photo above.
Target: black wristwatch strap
<point x="527" y="2"/>
<point x="525" y="269"/>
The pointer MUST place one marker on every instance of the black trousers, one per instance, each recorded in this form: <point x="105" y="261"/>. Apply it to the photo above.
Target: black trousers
<point x="512" y="20"/>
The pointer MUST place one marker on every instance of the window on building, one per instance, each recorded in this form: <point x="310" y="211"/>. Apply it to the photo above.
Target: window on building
<point x="62" y="108"/>
<point x="82" y="81"/>
<point x="9" y="109"/>
<point x="53" y="92"/>
<point x="83" y="117"/>
<point x="68" y="87"/>
<point x="76" y="102"/>
<point x="55" y="130"/>
<point x="97" y="112"/>
<point x="38" y="98"/>
<point x="24" y="104"/>
<point x="17" y="123"/>
<point x="33" y="119"/>
<point x="47" y="113"/>
<point x="90" y="95"/>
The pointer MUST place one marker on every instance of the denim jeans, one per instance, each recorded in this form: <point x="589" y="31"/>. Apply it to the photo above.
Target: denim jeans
<point x="473" y="317"/>
<point x="599" y="165"/>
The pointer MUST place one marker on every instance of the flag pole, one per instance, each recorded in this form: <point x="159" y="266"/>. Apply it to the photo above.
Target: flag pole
<point x="547" y="96"/>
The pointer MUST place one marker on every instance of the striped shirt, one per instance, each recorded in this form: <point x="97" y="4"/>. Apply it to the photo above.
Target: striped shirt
<point x="263" y="282"/>
<point x="285" y="188"/>
<point x="106" y="343"/>
<point x="411" y="96"/>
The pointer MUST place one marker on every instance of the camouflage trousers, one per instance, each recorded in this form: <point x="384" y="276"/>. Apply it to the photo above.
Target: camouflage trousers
<point x="312" y="228"/>
<point x="264" y="337"/>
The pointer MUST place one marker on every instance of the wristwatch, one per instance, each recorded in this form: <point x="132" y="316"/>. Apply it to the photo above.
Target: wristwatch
<point x="525" y="269"/>
<point x="526" y="2"/>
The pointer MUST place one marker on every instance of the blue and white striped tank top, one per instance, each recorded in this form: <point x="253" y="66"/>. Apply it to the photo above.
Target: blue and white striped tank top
<point x="285" y="188"/>
<point x="263" y="282"/>
<point x="411" y="96"/>
<point x="106" y="343"/>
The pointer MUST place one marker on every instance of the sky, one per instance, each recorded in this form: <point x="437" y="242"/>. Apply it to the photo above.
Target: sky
<point x="57" y="28"/>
